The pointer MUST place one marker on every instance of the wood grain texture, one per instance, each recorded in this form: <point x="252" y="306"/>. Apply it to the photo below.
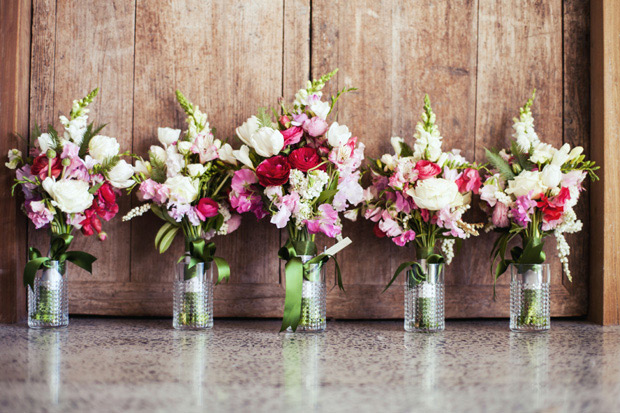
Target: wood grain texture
<point x="14" y="74"/>
<point x="605" y="195"/>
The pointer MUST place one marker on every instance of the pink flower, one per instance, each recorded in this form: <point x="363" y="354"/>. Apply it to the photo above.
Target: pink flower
<point x="427" y="169"/>
<point x="205" y="148"/>
<point x="404" y="238"/>
<point x="315" y="126"/>
<point x="27" y="188"/>
<point x="233" y="223"/>
<point x="561" y="198"/>
<point x="524" y="208"/>
<point x="402" y="204"/>
<point x="573" y="178"/>
<point x="38" y="213"/>
<point x="373" y="214"/>
<point x="425" y="214"/>
<point x="151" y="190"/>
<point x="500" y="215"/>
<point x="299" y="119"/>
<point x="206" y="208"/>
<point x="70" y="150"/>
<point x="327" y="222"/>
<point x="350" y="192"/>
<point x="178" y="211"/>
<point x="390" y="227"/>
<point x="288" y="205"/>
<point x="469" y="181"/>
<point x="243" y="179"/>
<point x="292" y="135"/>
<point x="284" y="120"/>
<point x="448" y="220"/>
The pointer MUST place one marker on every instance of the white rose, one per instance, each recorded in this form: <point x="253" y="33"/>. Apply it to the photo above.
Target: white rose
<point x="526" y="182"/>
<point x="267" y="142"/>
<point x="245" y="131"/>
<point x="243" y="156"/>
<point x="435" y="194"/>
<point x="183" y="189"/>
<point x="552" y="175"/>
<point x="157" y="152"/>
<point x="337" y="135"/>
<point x="168" y="136"/>
<point x="45" y="142"/>
<point x="70" y="195"/>
<point x="396" y="142"/>
<point x="143" y="167"/>
<point x="226" y="154"/>
<point x="120" y="175"/>
<point x="321" y="109"/>
<point x="184" y="147"/>
<point x="15" y="157"/>
<point x="102" y="147"/>
<point x="196" y="169"/>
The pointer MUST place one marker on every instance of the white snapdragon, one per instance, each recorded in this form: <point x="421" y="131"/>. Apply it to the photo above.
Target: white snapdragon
<point x="427" y="145"/>
<point x="524" y="132"/>
<point x="75" y="128"/>
<point x="543" y="152"/>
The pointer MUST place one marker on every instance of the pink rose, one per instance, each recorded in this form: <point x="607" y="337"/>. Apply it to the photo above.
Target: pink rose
<point x="427" y="169"/>
<point x="469" y="181"/>
<point x="292" y="135"/>
<point x="206" y="208"/>
<point x="315" y="126"/>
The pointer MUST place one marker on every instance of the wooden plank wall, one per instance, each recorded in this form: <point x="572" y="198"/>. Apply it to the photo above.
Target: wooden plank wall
<point x="478" y="60"/>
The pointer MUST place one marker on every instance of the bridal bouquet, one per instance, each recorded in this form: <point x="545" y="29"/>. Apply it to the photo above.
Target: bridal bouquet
<point x="531" y="195"/>
<point x="418" y="197"/>
<point x="70" y="181"/>
<point x="303" y="171"/>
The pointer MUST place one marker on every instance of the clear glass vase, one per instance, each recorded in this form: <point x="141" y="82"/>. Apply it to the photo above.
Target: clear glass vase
<point x="193" y="296"/>
<point x="424" y="298"/>
<point x="48" y="304"/>
<point x="313" y="298"/>
<point x="529" y="297"/>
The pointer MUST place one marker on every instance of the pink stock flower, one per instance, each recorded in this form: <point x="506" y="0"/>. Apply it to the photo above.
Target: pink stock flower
<point x="500" y="215"/>
<point x="469" y="181"/>
<point x="524" y="207"/>
<point x="390" y="227"/>
<point x="315" y="126"/>
<point x="292" y="135"/>
<point x="151" y="190"/>
<point x="404" y="238"/>
<point x="38" y="213"/>
<point x="327" y="222"/>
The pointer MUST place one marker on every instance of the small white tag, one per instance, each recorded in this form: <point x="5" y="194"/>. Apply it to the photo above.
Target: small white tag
<point x="336" y="248"/>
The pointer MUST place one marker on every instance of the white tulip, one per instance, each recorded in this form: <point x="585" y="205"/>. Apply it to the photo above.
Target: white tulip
<point x="157" y="152"/>
<point x="183" y="189"/>
<point x="196" y="169"/>
<point x="243" y="156"/>
<point x="575" y="153"/>
<point x="226" y="154"/>
<point x="338" y="135"/>
<point x="551" y="175"/>
<point x="46" y="142"/>
<point x="526" y="182"/>
<point x="396" y="142"/>
<point x="245" y="131"/>
<point x="102" y="147"/>
<point x="168" y="136"/>
<point x="69" y="195"/>
<point x="267" y="142"/>
<point x="120" y="175"/>
<point x="321" y="109"/>
<point x="435" y="194"/>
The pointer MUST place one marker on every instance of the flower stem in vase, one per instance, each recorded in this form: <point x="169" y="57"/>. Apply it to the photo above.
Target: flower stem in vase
<point x="311" y="296"/>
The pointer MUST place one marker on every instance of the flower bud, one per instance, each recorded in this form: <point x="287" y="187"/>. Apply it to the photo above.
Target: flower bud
<point x="66" y="162"/>
<point x="51" y="154"/>
<point x="516" y="168"/>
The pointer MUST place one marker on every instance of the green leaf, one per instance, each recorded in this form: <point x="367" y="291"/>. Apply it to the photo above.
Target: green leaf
<point x="326" y="196"/>
<point x="500" y="164"/>
<point x="533" y="252"/>
<point x="165" y="236"/>
<point x="405" y="150"/>
<point x="522" y="160"/>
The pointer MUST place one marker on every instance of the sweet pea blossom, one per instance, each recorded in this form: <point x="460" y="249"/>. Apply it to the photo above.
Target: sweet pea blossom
<point x="404" y="238"/>
<point x="524" y="207"/>
<point x="38" y="213"/>
<point x="327" y="222"/>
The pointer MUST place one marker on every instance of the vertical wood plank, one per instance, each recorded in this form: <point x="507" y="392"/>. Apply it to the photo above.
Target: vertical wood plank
<point x="14" y="75"/>
<point x="605" y="195"/>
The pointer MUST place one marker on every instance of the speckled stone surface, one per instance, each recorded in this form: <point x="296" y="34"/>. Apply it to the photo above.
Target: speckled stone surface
<point x="119" y="365"/>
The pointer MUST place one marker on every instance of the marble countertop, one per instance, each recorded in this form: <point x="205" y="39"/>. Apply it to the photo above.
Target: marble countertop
<point x="143" y="365"/>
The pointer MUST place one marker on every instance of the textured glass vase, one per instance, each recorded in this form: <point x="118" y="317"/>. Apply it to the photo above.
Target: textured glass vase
<point x="193" y="296"/>
<point x="48" y="304"/>
<point x="529" y="297"/>
<point x="424" y="298"/>
<point x="313" y="302"/>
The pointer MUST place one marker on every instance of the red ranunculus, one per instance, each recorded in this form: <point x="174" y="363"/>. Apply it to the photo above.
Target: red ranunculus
<point x="304" y="159"/>
<point x="292" y="135"/>
<point x="469" y="181"/>
<point x="427" y="169"/>
<point x="40" y="166"/>
<point x="377" y="231"/>
<point x="207" y="208"/>
<point x="273" y="171"/>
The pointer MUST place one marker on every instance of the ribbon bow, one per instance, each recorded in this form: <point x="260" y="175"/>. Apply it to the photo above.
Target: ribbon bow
<point x="294" y="272"/>
<point x="58" y="252"/>
<point x="200" y="251"/>
<point x="417" y="274"/>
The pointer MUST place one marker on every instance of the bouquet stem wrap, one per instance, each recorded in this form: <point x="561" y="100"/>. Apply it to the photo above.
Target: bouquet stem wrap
<point x="199" y="251"/>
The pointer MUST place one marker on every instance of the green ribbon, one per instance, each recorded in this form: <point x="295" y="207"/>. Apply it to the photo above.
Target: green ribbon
<point x="531" y="254"/>
<point x="294" y="271"/>
<point x="417" y="273"/>
<point x="58" y="252"/>
<point x="200" y="251"/>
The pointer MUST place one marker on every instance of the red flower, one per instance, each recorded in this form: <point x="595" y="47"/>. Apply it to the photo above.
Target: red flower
<point x="292" y="135"/>
<point x="427" y="169"/>
<point x="273" y="171"/>
<point x="40" y="167"/>
<point x="562" y="197"/>
<point x="551" y="212"/>
<point x="207" y="208"/>
<point x="469" y="181"/>
<point x="304" y="159"/>
<point x="91" y="223"/>
<point x="105" y="203"/>
<point x="377" y="231"/>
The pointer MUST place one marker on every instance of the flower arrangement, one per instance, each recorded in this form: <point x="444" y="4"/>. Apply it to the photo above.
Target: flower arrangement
<point x="418" y="197"/>
<point x="70" y="181"/>
<point x="185" y="183"/>
<point x="531" y="194"/>
<point x="303" y="172"/>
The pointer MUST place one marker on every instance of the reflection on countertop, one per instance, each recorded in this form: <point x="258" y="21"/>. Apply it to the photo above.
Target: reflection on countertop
<point x="109" y="365"/>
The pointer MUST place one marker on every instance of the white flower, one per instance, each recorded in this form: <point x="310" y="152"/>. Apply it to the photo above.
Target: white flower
<point x="183" y="189"/>
<point x="227" y="154"/>
<point x="551" y="175"/>
<point x="321" y="109"/>
<point x="575" y="153"/>
<point x="143" y="167"/>
<point x="389" y="161"/>
<point x="543" y="152"/>
<point x="396" y="142"/>
<point x="75" y="128"/>
<point x="196" y="169"/>
<point x="273" y="193"/>
<point x="337" y="135"/>
<point x="174" y="161"/>
<point x="120" y="176"/>
<point x="267" y="142"/>
<point x="184" y="147"/>
<point x="352" y="214"/>
<point x="15" y="157"/>
<point x="526" y="182"/>
<point x="524" y="132"/>
<point x="243" y="156"/>
<point x="70" y="195"/>
<point x="157" y="152"/>
<point x="102" y="147"/>
<point x="435" y="194"/>
<point x="427" y="146"/>
<point x="46" y="142"/>
<point x="245" y="131"/>
<point x="168" y="136"/>
<point x="562" y="155"/>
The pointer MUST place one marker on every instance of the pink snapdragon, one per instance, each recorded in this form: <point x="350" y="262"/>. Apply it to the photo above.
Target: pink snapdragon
<point x="404" y="238"/>
<point x="327" y="222"/>
<point x="38" y="213"/>
<point x="524" y="207"/>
